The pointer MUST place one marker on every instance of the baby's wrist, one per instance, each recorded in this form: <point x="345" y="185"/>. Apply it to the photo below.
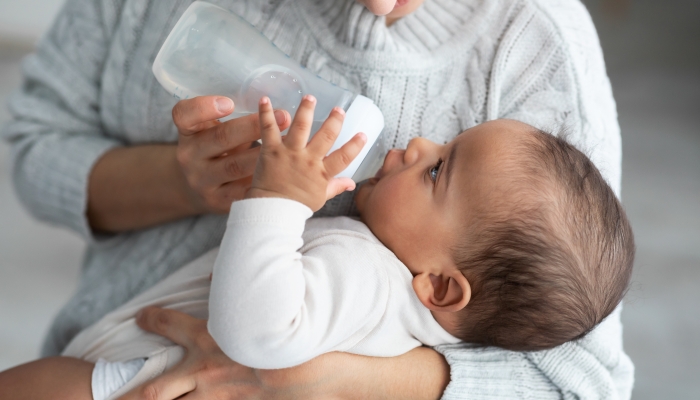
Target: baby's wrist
<point x="302" y="193"/>
<point x="300" y="197"/>
<point x="254" y="193"/>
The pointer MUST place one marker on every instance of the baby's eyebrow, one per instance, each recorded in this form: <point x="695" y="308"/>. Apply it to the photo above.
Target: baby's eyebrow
<point x="450" y="163"/>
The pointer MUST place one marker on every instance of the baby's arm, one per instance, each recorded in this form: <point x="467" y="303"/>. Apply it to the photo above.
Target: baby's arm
<point x="269" y="306"/>
<point x="272" y="307"/>
<point x="56" y="378"/>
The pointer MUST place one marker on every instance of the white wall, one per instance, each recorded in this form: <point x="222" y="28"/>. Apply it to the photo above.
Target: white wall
<point x="26" y="20"/>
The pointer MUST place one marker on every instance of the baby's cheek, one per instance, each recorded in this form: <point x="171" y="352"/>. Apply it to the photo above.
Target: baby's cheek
<point x="384" y="202"/>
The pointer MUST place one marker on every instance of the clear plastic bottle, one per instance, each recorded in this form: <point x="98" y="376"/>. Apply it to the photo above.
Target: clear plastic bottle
<point x="212" y="51"/>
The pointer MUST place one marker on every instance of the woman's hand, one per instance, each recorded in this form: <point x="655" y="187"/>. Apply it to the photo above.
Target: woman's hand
<point x="207" y="373"/>
<point x="137" y="187"/>
<point x="217" y="159"/>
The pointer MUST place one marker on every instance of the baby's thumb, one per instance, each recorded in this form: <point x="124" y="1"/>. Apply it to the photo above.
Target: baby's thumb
<point x="337" y="186"/>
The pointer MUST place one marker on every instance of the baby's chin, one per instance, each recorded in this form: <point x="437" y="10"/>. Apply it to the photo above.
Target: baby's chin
<point x="362" y="193"/>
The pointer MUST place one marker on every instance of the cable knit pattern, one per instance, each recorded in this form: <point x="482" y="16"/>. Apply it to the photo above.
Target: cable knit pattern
<point x="449" y="66"/>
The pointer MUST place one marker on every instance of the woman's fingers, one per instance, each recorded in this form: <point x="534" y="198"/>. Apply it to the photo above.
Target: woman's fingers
<point x="323" y="140"/>
<point x="190" y="114"/>
<point x="224" y="137"/>
<point x="300" y="129"/>
<point x="222" y="154"/>
<point x="168" y="386"/>
<point x="233" y="167"/>
<point x="232" y="191"/>
<point x="229" y="167"/>
<point x="227" y="135"/>
<point x="269" y="131"/>
<point x="338" y="160"/>
<point x="221" y="137"/>
<point x="179" y="327"/>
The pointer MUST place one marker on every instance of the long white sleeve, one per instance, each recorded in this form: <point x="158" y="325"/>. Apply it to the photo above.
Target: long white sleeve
<point x="271" y="307"/>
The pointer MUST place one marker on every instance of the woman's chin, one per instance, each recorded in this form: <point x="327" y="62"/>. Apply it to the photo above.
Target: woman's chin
<point x="402" y="8"/>
<point x="381" y="7"/>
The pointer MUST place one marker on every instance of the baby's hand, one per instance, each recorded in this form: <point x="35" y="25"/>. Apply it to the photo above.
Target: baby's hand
<point x="295" y="170"/>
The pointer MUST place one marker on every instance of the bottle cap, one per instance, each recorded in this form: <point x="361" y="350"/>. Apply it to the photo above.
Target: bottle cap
<point x="362" y="116"/>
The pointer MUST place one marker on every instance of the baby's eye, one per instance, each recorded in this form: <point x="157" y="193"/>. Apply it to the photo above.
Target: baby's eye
<point x="434" y="170"/>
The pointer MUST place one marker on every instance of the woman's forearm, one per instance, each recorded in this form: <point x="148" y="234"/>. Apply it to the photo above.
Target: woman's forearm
<point x="138" y="187"/>
<point x="421" y="373"/>
<point x="210" y="167"/>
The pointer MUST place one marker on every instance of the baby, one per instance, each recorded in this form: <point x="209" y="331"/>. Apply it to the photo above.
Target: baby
<point x="506" y="236"/>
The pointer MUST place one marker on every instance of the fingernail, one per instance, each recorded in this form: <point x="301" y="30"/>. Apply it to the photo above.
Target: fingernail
<point x="310" y="98"/>
<point x="339" y="110"/>
<point x="224" y="104"/>
<point x="280" y="117"/>
<point x="264" y="100"/>
<point x="363" y="137"/>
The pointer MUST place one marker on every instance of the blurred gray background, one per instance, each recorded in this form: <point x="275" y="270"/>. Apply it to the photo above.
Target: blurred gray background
<point x="652" y="50"/>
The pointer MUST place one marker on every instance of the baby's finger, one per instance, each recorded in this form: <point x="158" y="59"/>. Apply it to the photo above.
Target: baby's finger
<point x="300" y="130"/>
<point x="323" y="140"/>
<point x="269" y="131"/>
<point x="337" y="186"/>
<point x="341" y="158"/>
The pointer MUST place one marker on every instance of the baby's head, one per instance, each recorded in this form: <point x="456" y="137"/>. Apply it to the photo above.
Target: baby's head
<point x="512" y="235"/>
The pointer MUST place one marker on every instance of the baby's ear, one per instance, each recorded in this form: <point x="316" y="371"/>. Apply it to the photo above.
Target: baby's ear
<point x="447" y="292"/>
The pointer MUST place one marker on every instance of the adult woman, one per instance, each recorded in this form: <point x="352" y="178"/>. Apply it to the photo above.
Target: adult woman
<point x="90" y="111"/>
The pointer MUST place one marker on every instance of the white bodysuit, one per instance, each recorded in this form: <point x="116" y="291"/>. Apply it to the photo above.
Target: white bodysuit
<point x="284" y="290"/>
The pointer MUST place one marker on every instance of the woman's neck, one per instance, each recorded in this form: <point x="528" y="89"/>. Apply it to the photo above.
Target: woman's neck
<point x="351" y="24"/>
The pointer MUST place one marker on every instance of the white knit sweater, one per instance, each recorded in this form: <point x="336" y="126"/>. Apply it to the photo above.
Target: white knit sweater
<point x="449" y="66"/>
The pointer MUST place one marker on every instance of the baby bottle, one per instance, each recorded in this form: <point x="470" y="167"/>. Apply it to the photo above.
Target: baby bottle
<point x="212" y="51"/>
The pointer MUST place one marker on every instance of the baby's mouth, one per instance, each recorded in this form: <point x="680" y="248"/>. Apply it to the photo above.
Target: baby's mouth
<point x="377" y="176"/>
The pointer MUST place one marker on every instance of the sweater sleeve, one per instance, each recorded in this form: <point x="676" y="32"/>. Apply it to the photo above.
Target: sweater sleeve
<point x="549" y="72"/>
<point x="56" y="134"/>
<point x="594" y="367"/>
<point x="272" y="306"/>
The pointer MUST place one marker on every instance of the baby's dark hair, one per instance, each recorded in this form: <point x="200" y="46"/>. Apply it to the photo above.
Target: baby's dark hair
<point x="555" y="260"/>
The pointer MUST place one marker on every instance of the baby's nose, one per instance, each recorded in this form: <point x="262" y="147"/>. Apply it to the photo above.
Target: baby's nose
<point x="393" y="159"/>
<point x="414" y="150"/>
